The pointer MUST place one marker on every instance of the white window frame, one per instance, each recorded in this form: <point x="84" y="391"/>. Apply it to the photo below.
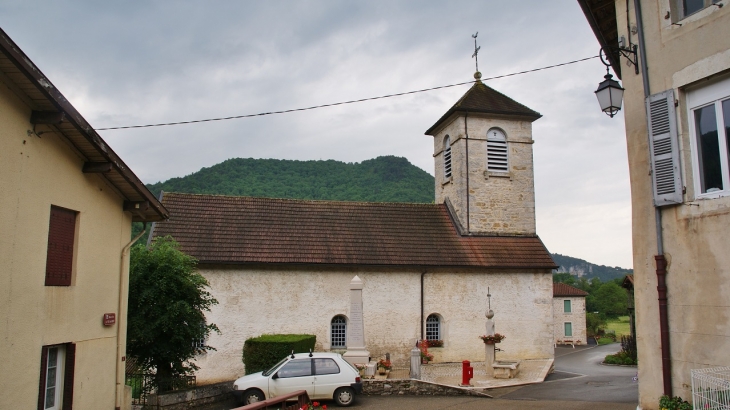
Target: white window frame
<point x="500" y="144"/>
<point x="709" y="95"/>
<point x="343" y="324"/>
<point x="677" y="7"/>
<point x="433" y="324"/>
<point x="56" y="382"/>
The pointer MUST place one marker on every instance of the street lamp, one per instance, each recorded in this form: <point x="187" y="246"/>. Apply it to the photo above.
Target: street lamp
<point x="609" y="92"/>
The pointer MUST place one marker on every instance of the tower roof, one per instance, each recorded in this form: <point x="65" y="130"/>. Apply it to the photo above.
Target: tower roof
<point x="483" y="99"/>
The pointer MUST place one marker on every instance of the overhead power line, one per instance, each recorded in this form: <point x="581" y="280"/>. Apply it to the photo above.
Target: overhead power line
<point x="235" y="117"/>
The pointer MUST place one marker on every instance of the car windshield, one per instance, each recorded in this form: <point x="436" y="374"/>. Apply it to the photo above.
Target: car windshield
<point x="274" y="367"/>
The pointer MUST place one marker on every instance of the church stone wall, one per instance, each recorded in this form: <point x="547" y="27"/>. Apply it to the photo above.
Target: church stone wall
<point x="499" y="203"/>
<point x="258" y="300"/>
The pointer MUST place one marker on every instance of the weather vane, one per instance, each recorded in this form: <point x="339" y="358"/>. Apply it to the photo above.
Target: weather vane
<point x="476" y="50"/>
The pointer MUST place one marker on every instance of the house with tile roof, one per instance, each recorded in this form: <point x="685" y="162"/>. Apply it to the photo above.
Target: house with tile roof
<point x="569" y="314"/>
<point x="68" y="205"/>
<point x="284" y="266"/>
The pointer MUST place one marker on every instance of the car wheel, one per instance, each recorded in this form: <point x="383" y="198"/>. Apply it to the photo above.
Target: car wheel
<point x="252" y="396"/>
<point x="344" y="396"/>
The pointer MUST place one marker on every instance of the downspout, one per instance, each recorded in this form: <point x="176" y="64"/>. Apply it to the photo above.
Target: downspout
<point x="423" y="331"/>
<point x="122" y="313"/>
<point x="661" y="261"/>
<point x="466" y="135"/>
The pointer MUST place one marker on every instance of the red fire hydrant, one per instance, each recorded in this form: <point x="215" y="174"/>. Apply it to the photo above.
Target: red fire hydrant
<point x="467" y="372"/>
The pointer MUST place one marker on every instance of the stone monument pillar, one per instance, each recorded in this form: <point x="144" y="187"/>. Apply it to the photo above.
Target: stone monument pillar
<point x="489" y="348"/>
<point x="356" y="352"/>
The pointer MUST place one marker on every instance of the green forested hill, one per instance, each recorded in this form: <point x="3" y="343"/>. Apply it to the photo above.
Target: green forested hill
<point x="579" y="267"/>
<point x="383" y="179"/>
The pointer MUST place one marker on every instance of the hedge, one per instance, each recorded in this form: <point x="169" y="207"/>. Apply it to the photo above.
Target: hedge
<point x="260" y="353"/>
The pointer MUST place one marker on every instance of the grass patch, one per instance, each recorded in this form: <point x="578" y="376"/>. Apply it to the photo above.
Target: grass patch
<point x="605" y="341"/>
<point x="619" y="326"/>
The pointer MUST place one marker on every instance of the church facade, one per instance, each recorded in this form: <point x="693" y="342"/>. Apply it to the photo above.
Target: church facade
<point x="285" y="266"/>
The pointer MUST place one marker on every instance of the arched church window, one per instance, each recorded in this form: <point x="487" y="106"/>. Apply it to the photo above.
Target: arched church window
<point x="338" y="332"/>
<point x="497" y="151"/>
<point x="433" y="327"/>
<point x="447" y="157"/>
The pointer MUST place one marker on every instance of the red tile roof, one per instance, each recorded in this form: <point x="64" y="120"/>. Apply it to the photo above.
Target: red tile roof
<point x="241" y="230"/>
<point x="483" y="99"/>
<point x="561" y="289"/>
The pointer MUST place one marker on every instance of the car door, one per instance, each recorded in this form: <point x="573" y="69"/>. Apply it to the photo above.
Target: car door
<point x="327" y="378"/>
<point x="294" y="375"/>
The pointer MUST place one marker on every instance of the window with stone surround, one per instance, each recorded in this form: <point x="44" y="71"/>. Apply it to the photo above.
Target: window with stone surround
<point x="497" y="153"/>
<point x="338" y="332"/>
<point x="709" y="127"/>
<point x="567" y="308"/>
<point x="433" y="327"/>
<point x="568" y="326"/>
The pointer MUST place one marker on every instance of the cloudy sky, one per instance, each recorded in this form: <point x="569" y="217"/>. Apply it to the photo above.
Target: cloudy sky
<point x="142" y="62"/>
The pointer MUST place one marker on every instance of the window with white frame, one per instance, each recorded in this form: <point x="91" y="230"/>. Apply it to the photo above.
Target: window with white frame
<point x="338" y="332"/>
<point x="709" y="126"/>
<point x="447" y="157"/>
<point x="497" y="151"/>
<point x="433" y="327"/>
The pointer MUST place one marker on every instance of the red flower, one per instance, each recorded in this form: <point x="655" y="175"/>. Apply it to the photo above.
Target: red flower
<point x="315" y="403"/>
<point x="324" y="407"/>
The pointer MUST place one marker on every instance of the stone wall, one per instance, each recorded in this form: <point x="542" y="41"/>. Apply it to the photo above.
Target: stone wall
<point x="269" y="299"/>
<point x="408" y="387"/>
<point x="189" y="399"/>
<point x="577" y="316"/>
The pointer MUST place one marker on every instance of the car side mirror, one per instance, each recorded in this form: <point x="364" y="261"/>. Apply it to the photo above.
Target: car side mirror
<point x="275" y="376"/>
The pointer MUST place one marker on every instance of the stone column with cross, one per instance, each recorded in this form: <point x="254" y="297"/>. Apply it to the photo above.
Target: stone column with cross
<point x="489" y="348"/>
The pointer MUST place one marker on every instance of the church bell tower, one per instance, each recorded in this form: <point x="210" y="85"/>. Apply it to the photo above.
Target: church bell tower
<point x="483" y="163"/>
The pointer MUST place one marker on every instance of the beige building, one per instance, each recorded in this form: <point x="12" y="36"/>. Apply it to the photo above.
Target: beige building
<point x="68" y="204"/>
<point x="285" y="266"/>
<point x="677" y="113"/>
<point x="569" y="314"/>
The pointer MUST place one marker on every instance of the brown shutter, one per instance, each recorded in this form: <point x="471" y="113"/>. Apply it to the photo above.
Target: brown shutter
<point x="59" y="260"/>
<point x="42" y="383"/>
<point x="68" y="377"/>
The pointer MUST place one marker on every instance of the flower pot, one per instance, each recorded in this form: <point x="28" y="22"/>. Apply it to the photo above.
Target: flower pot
<point x="381" y="371"/>
<point x="424" y="361"/>
<point x="488" y="342"/>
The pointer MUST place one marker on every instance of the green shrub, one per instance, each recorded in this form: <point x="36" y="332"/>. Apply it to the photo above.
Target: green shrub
<point x="260" y="353"/>
<point x="673" y="403"/>
<point x="620" y="358"/>
<point x="605" y="341"/>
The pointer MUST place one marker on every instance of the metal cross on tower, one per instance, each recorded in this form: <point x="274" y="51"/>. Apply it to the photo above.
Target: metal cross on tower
<point x="476" y="50"/>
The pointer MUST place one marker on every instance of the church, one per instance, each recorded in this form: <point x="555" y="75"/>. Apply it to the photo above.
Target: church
<point x="285" y="266"/>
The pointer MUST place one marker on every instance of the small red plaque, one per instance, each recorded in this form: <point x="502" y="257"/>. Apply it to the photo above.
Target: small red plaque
<point x="110" y="319"/>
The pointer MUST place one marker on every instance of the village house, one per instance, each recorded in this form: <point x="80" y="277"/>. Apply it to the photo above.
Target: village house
<point x="285" y="266"/>
<point x="677" y="116"/>
<point x="569" y="314"/>
<point x="68" y="204"/>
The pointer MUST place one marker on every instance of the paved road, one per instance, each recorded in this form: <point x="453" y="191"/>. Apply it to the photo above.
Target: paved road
<point x="579" y="382"/>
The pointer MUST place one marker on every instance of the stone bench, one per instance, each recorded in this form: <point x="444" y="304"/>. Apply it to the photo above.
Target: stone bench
<point x="506" y="369"/>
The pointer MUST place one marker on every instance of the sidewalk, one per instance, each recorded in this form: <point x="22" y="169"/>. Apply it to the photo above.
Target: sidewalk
<point x="449" y="374"/>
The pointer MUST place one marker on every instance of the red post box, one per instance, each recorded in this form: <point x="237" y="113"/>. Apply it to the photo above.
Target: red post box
<point x="467" y="372"/>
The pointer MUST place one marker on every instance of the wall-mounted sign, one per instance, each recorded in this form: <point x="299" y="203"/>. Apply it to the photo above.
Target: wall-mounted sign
<point x="110" y="319"/>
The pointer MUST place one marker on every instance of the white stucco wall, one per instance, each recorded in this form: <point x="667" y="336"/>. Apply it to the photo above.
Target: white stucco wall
<point x="577" y="316"/>
<point x="258" y="300"/>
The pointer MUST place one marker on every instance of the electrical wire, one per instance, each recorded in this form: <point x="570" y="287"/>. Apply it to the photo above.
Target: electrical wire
<point x="235" y="117"/>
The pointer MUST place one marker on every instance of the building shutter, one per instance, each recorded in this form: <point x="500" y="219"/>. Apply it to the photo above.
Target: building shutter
<point x="59" y="260"/>
<point x="68" y="376"/>
<point x="664" y="149"/>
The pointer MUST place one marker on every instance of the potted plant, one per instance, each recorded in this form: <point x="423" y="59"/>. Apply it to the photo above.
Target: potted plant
<point x="426" y="357"/>
<point x="492" y="339"/>
<point x="435" y="343"/>
<point x="384" y="366"/>
<point x="361" y="368"/>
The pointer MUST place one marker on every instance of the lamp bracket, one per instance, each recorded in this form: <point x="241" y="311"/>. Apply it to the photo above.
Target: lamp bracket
<point x="630" y="53"/>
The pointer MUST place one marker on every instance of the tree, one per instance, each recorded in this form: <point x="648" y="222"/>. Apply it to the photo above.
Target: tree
<point x="167" y="301"/>
<point x="611" y="300"/>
